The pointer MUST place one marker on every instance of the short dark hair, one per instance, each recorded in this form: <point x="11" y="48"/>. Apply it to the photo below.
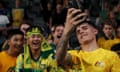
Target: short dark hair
<point x="12" y="32"/>
<point x="108" y="22"/>
<point x="55" y="26"/>
<point x="91" y="23"/>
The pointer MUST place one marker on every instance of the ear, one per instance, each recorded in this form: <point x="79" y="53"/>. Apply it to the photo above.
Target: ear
<point x="8" y="42"/>
<point x="95" y="31"/>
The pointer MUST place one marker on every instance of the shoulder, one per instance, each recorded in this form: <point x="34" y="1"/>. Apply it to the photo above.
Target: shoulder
<point x="73" y="51"/>
<point x="2" y="56"/>
<point x="20" y="57"/>
<point x="3" y="53"/>
<point x="101" y="38"/>
<point x="107" y="53"/>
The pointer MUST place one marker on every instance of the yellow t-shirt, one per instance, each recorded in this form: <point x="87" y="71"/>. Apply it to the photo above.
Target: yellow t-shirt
<point x="107" y="44"/>
<point x="7" y="62"/>
<point x="99" y="60"/>
<point x="101" y="41"/>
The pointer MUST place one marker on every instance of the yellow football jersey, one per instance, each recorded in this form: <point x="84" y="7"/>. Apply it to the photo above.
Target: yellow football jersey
<point x="99" y="60"/>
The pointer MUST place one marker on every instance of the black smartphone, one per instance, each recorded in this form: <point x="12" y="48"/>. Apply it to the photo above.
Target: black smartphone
<point x="75" y="4"/>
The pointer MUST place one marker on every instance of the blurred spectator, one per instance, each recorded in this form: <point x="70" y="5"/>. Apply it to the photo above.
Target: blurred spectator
<point x="117" y="13"/>
<point x="57" y="33"/>
<point x="3" y="10"/>
<point x="18" y="14"/>
<point x="94" y="10"/>
<point x="108" y="39"/>
<point x="15" y="40"/>
<point x="3" y="27"/>
<point x="111" y="17"/>
<point x="55" y="36"/>
<point x="58" y="16"/>
<point x="118" y="32"/>
<point x="38" y="53"/>
<point x="4" y="22"/>
<point x="47" y="13"/>
<point x="23" y="27"/>
<point x="104" y="10"/>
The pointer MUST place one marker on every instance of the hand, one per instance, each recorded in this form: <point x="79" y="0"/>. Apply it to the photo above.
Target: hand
<point x="72" y="21"/>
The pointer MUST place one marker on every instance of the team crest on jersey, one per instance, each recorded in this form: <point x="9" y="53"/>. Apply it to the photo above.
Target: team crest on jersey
<point x="100" y="64"/>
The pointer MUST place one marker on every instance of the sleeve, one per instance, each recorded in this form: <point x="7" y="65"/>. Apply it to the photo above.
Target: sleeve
<point x="116" y="64"/>
<point x="19" y="63"/>
<point x="0" y="64"/>
<point x="74" y="57"/>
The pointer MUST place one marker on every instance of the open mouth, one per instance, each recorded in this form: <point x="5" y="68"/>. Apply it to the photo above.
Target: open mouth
<point x="36" y="43"/>
<point x="58" y="36"/>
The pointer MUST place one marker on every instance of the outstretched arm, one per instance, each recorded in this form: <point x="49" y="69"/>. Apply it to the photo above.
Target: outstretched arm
<point x="71" y="22"/>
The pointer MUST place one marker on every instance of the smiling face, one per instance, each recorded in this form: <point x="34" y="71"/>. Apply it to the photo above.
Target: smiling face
<point x="108" y="30"/>
<point x="58" y="31"/>
<point x="85" y="33"/>
<point x="34" y="41"/>
<point x="16" y="43"/>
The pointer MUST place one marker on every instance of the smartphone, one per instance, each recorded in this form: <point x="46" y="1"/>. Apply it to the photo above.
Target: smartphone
<point x="75" y="4"/>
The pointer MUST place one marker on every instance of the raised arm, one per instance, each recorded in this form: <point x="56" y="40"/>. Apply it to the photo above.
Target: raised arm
<point x="71" y="22"/>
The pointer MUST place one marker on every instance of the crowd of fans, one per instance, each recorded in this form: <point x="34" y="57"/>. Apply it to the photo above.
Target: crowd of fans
<point x="17" y="31"/>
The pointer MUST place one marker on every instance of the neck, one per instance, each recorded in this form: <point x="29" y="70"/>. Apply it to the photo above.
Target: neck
<point x="35" y="53"/>
<point x="12" y="53"/>
<point x="91" y="46"/>
<point x="110" y="36"/>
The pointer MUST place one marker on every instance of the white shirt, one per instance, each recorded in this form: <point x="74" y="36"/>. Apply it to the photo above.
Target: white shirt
<point x="4" y="20"/>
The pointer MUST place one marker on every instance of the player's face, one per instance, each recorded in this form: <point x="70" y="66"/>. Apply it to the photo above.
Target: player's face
<point x="85" y="33"/>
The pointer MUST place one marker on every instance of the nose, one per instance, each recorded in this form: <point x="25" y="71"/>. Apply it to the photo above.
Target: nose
<point x="20" y="42"/>
<point x="61" y="32"/>
<point x="81" y="31"/>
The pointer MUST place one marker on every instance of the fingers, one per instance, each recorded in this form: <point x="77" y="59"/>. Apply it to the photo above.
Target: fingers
<point x="79" y="18"/>
<point x="75" y="16"/>
<point x="78" y="21"/>
<point x="72" y="12"/>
